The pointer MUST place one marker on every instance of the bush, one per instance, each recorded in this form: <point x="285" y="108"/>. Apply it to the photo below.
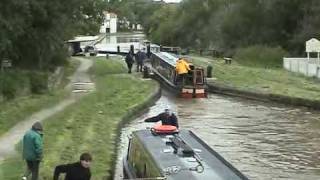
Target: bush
<point x="8" y="87"/>
<point x="12" y="83"/>
<point x="260" y="56"/>
<point x="38" y="82"/>
<point x="15" y="83"/>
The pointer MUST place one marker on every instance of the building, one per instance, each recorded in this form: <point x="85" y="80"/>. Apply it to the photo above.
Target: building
<point x="110" y="23"/>
<point x="310" y="65"/>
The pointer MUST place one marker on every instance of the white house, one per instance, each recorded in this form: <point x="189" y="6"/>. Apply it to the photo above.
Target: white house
<point x="313" y="46"/>
<point x="109" y="24"/>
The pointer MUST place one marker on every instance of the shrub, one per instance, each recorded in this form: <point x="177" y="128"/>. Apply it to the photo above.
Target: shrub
<point x="38" y="82"/>
<point x="12" y="83"/>
<point x="8" y="87"/>
<point x="260" y="56"/>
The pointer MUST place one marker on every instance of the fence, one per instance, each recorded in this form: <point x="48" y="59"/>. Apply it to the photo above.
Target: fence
<point x="309" y="67"/>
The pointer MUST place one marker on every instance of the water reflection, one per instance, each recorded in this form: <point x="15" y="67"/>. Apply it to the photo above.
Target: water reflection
<point x="111" y="42"/>
<point x="264" y="141"/>
<point x="123" y="38"/>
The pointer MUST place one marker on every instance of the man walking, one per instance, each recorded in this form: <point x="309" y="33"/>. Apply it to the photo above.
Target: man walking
<point x="129" y="60"/>
<point x="140" y="57"/>
<point x="32" y="150"/>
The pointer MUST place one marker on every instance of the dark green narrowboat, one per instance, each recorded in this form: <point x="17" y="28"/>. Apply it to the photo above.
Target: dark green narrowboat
<point x="179" y="156"/>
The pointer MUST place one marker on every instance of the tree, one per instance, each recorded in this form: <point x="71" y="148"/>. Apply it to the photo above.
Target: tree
<point x="34" y="31"/>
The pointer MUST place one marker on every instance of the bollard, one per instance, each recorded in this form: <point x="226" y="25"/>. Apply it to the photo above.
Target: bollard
<point x="118" y="49"/>
<point x="145" y="72"/>
<point x="209" y="71"/>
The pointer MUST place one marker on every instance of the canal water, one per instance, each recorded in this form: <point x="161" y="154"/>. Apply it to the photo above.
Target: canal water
<point x="264" y="141"/>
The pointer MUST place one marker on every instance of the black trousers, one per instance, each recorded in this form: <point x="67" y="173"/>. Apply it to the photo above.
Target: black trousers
<point x="33" y="169"/>
<point x="129" y="67"/>
<point x="139" y="67"/>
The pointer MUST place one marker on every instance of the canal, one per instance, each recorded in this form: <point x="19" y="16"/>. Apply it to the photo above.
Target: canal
<point x="264" y="141"/>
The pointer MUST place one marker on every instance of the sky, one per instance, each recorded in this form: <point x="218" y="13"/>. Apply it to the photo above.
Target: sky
<point x="172" y="0"/>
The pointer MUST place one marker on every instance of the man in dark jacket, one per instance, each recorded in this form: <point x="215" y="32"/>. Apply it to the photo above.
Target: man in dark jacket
<point x="129" y="60"/>
<point x="75" y="171"/>
<point x="166" y="118"/>
<point x="32" y="150"/>
<point x="140" y="57"/>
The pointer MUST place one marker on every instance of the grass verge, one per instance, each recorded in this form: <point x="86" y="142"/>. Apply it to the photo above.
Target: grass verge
<point x="90" y="125"/>
<point x="260" y="80"/>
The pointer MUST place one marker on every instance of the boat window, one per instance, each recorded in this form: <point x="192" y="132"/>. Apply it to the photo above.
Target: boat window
<point x="141" y="162"/>
<point x="199" y="77"/>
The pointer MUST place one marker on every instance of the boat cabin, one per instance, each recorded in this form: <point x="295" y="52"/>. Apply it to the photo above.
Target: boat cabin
<point x="179" y="156"/>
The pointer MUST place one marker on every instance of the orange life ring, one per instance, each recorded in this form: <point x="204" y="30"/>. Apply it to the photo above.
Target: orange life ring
<point x="164" y="129"/>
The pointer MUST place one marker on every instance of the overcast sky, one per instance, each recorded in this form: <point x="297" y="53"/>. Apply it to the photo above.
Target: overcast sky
<point x="172" y="0"/>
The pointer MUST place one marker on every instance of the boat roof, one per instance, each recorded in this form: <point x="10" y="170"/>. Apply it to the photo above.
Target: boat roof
<point x="176" y="166"/>
<point x="167" y="57"/>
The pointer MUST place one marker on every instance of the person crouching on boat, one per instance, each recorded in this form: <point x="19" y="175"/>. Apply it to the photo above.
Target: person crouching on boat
<point x="182" y="69"/>
<point x="167" y="118"/>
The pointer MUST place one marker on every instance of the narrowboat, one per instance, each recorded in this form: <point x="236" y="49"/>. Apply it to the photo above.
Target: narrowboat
<point x="180" y="155"/>
<point x="193" y="86"/>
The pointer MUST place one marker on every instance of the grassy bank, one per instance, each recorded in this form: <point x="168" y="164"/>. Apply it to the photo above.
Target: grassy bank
<point x="267" y="81"/>
<point x="14" y="111"/>
<point x="68" y="71"/>
<point x="89" y="125"/>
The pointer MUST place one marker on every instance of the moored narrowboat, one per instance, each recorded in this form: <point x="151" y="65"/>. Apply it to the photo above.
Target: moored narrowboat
<point x="179" y="155"/>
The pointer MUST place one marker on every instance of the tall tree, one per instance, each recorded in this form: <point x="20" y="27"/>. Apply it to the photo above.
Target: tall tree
<point x="33" y="31"/>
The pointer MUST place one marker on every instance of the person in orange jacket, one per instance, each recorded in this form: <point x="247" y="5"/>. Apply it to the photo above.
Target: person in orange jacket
<point x="182" y="69"/>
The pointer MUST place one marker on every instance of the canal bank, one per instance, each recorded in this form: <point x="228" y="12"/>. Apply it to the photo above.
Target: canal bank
<point x="271" y="85"/>
<point x="134" y="112"/>
<point x="289" y="100"/>
<point x="91" y="124"/>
